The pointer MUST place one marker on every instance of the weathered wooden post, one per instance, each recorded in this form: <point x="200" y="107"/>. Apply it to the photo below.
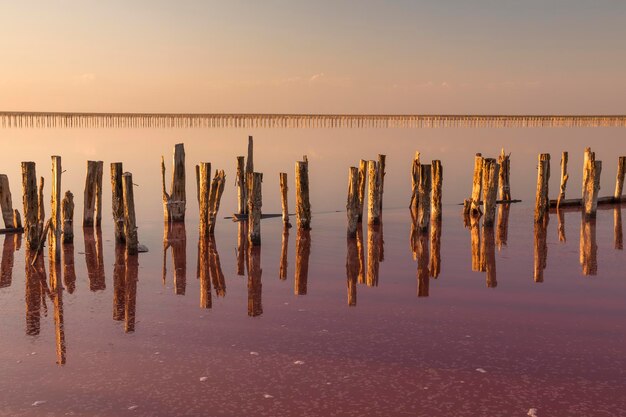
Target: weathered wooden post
<point x="6" y="204"/>
<point x="117" y="200"/>
<point x="591" y="183"/>
<point x="415" y="175"/>
<point x="362" y="183"/>
<point x="240" y="182"/>
<point x="56" y="225"/>
<point x="303" y="206"/>
<point x="255" y="201"/>
<point x="619" y="180"/>
<point x="381" y="179"/>
<point x="175" y="202"/>
<point x="437" y="185"/>
<point x="283" y="198"/>
<point x="92" y="211"/>
<point x="352" y="205"/>
<point x="490" y="189"/>
<point x="130" y="222"/>
<point x="40" y="201"/>
<point x="205" y="187"/>
<point x="33" y="226"/>
<point x="373" y="206"/>
<point x="564" y="178"/>
<point x="423" y="197"/>
<point x="215" y="196"/>
<point x="542" y="202"/>
<point x="504" y="183"/>
<point x="477" y="183"/>
<point x="250" y="160"/>
<point x="17" y="220"/>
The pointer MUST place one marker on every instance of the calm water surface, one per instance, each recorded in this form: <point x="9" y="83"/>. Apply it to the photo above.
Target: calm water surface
<point x="314" y="324"/>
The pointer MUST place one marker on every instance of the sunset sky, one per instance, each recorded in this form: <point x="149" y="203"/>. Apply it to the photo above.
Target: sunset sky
<point x="481" y="56"/>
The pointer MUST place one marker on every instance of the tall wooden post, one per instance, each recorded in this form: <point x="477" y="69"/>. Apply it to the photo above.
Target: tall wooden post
<point x="130" y="222"/>
<point x="250" y="160"/>
<point x="415" y="175"/>
<point x="477" y="184"/>
<point x="504" y="183"/>
<point x="33" y="226"/>
<point x="437" y="184"/>
<point x="303" y="206"/>
<point x="92" y="210"/>
<point x="542" y="201"/>
<point x="255" y="201"/>
<point x="215" y="196"/>
<point x="6" y="204"/>
<point x="564" y="178"/>
<point x="373" y="206"/>
<point x="117" y="200"/>
<point x="490" y="189"/>
<point x="205" y="187"/>
<point x="352" y="205"/>
<point x="175" y="202"/>
<point x="423" y="197"/>
<point x="381" y="179"/>
<point x="619" y="180"/>
<point x="56" y="225"/>
<point x="362" y="183"/>
<point x="591" y="183"/>
<point x="240" y="182"/>
<point x="283" y="198"/>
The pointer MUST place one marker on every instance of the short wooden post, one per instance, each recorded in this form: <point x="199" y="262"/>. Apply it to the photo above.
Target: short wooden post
<point x="6" y="204"/>
<point x="381" y="180"/>
<point x="33" y="226"/>
<point x="117" y="200"/>
<point x="415" y="175"/>
<point x="423" y="197"/>
<point x="490" y="190"/>
<point x="437" y="184"/>
<point x="619" y="180"/>
<point x="564" y="178"/>
<point x="240" y="182"/>
<point x="303" y="252"/>
<point x="373" y="192"/>
<point x="477" y="184"/>
<point x="352" y="205"/>
<point x="92" y="211"/>
<point x="215" y="196"/>
<point x="175" y="202"/>
<point x="205" y="187"/>
<point x="303" y="206"/>
<point x="361" y="185"/>
<point x="56" y="225"/>
<point x="17" y="219"/>
<point x="255" y="201"/>
<point x="130" y="222"/>
<point x="283" y="198"/>
<point x="504" y="183"/>
<point x="542" y="201"/>
<point x="591" y="183"/>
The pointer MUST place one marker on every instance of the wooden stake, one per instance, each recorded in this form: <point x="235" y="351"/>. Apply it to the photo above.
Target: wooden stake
<point x="250" y="160"/>
<point x="198" y="183"/>
<point x="6" y="204"/>
<point x="91" y="181"/>
<point x="477" y="184"/>
<point x="117" y="200"/>
<point x="373" y="206"/>
<point x="283" y="198"/>
<point x="352" y="205"/>
<point x="255" y="201"/>
<point x="130" y="223"/>
<point x="504" y="184"/>
<point x="490" y="176"/>
<point x="423" y="197"/>
<point x="56" y="227"/>
<point x="33" y="227"/>
<point x="437" y="184"/>
<point x="591" y="183"/>
<point x="564" y="178"/>
<point x="17" y="219"/>
<point x="175" y="202"/>
<point x="205" y="187"/>
<point x="542" y="202"/>
<point x="415" y="175"/>
<point x="41" y="212"/>
<point x="303" y="206"/>
<point x="619" y="180"/>
<point x="381" y="180"/>
<point x="215" y="196"/>
<point x="361" y="185"/>
<point x="240" y="182"/>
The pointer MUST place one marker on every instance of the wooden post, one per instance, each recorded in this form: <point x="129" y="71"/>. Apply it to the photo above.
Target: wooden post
<point x="415" y="175"/>
<point x="6" y="204"/>
<point x="255" y="201"/>
<point x="17" y="219"/>
<point x="361" y="185"/>
<point x="33" y="226"/>
<point x="92" y="210"/>
<point x="130" y="223"/>
<point x="215" y="196"/>
<point x="373" y="192"/>
<point x="504" y="184"/>
<point x="283" y="198"/>
<point x="564" y="178"/>
<point x="117" y="200"/>
<point x="205" y="187"/>
<point x="175" y="202"/>
<point x="437" y="184"/>
<point x="423" y="197"/>
<point x="477" y="184"/>
<point x="619" y="180"/>
<point x="303" y="206"/>
<point x="240" y="182"/>
<point x="250" y="160"/>
<point x="41" y="212"/>
<point x="542" y="202"/>
<point x="303" y="252"/>
<point x="591" y="180"/>
<point x="198" y="183"/>
<point x="352" y="205"/>
<point x="381" y="180"/>
<point x="56" y="226"/>
<point x="490" y="190"/>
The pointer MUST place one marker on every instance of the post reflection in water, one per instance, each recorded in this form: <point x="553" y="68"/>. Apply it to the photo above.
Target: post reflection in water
<point x="119" y="282"/>
<point x="488" y="256"/>
<point x="205" y="275"/>
<point x="56" y="294"/>
<point x="434" y="266"/>
<point x="423" y="273"/>
<point x="215" y="269"/>
<point x="540" y="248"/>
<point x="374" y="251"/>
<point x="360" y="253"/>
<point x="303" y="251"/>
<point x="502" y="228"/>
<point x="352" y="268"/>
<point x="8" y="255"/>
<point x="34" y="295"/>
<point x="282" y="274"/>
<point x="477" y="264"/>
<point x="174" y="236"/>
<point x="94" y="258"/>
<point x="242" y="247"/>
<point x="130" y="292"/>
<point x="618" y="235"/>
<point x="255" y="306"/>
<point x="588" y="246"/>
<point x="69" y="272"/>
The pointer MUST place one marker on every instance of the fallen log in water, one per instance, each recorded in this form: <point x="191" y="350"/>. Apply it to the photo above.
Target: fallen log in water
<point x="577" y="202"/>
